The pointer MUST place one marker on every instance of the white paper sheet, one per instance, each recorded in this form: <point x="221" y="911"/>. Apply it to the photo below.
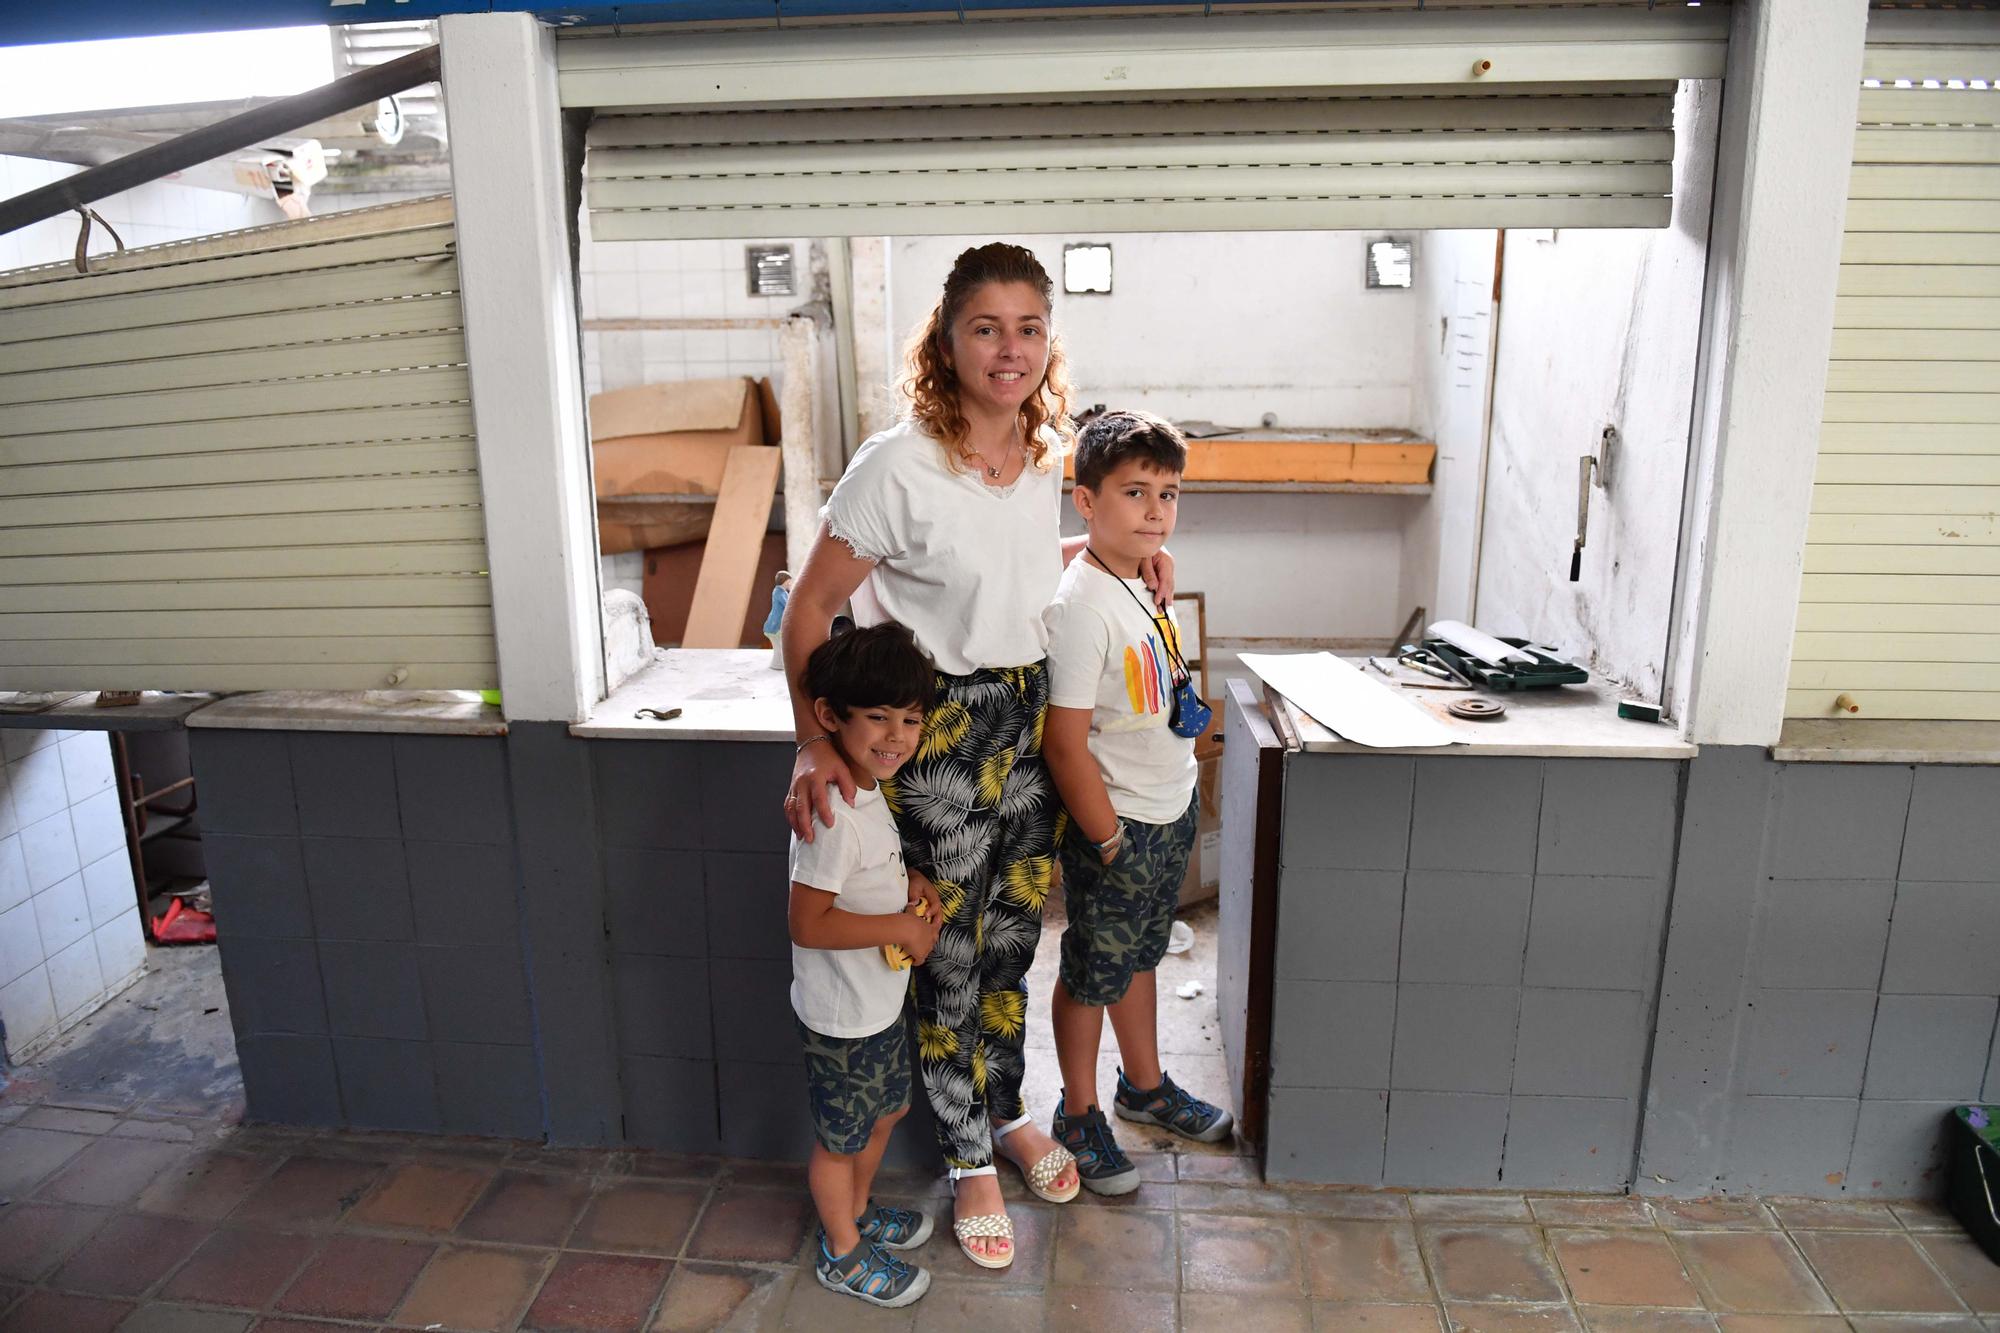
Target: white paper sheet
<point x="1345" y="701"/>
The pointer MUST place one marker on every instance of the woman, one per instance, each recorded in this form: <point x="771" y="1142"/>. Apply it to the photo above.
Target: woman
<point x="951" y="518"/>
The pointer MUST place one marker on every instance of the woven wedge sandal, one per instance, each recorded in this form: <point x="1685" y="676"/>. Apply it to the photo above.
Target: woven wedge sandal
<point x="1042" y="1175"/>
<point x="985" y="1225"/>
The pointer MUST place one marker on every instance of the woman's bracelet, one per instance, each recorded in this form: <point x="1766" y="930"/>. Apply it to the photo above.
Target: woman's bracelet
<point x="1117" y="836"/>
<point x="811" y="740"/>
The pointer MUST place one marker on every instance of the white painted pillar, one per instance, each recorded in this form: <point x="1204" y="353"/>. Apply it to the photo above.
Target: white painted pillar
<point x="521" y="340"/>
<point x="1789" y="102"/>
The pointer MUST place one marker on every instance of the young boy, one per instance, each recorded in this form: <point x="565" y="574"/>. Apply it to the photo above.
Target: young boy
<point x="1128" y="782"/>
<point x="850" y="893"/>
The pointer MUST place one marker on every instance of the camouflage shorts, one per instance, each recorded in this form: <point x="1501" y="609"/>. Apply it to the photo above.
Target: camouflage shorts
<point x="851" y="1082"/>
<point x="1119" y="914"/>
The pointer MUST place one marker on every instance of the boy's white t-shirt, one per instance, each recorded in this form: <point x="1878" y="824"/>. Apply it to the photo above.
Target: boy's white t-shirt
<point x="965" y="567"/>
<point x="851" y="992"/>
<point x="1105" y="654"/>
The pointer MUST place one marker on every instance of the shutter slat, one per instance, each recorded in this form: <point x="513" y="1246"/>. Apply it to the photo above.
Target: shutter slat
<point x="1850" y="345"/>
<point x="358" y="425"/>
<point x="1900" y="619"/>
<point x="1956" y="277"/>
<point x="1905" y="529"/>
<point x="398" y="388"/>
<point x="1918" y="248"/>
<point x="1829" y="557"/>
<point x="1898" y="312"/>
<point x="454" y="590"/>
<point x="1848" y="676"/>
<point x="1981" y="408"/>
<point x="321" y="622"/>
<point x="1923" y="182"/>
<point x="1946" y="589"/>
<point x="1966" y="377"/>
<point x="1964" y="706"/>
<point x="325" y="529"/>
<point x="219" y="673"/>
<point x="1919" y="106"/>
<point x="1968" y="146"/>
<point x="244" y="500"/>
<point x="260" y="366"/>
<point x="1975" y="215"/>
<point x="1930" y="438"/>
<point x="410" y="458"/>
<point x="1863" y="646"/>
<point x="225" y="565"/>
<point x="470" y="649"/>
<point x="1981" y="469"/>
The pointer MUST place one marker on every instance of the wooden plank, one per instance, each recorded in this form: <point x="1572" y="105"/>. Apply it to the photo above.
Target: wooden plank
<point x="312" y="622"/>
<point x="723" y="589"/>
<point x="472" y="649"/>
<point x="455" y="590"/>
<point x="39" y="512"/>
<point x="1830" y="646"/>
<point x="1905" y="529"/>
<point x="356" y="425"/>
<point x="1919" y="247"/>
<point x="270" y="676"/>
<point x="1910" y="469"/>
<point x="1911" y="145"/>
<point x="1880" y="345"/>
<point x="1982" y="408"/>
<point x="387" y="388"/>
<point x="1857" y="676"/>
<point x="406" y="458"/>
<point x="1885" y="558"/>
<point x="1903" y="438"/>
<point x="1842" y="498"/>
<point x="200" y="566"/>
<point x="1901" y="618"/>
<point x="1960" y="706"/>
<point x="360" y="528"/>
<point x="1941" y="589"/>
<point x="260" y="365"/>
<point x="430" y="275"/>
<point x="1915" y="312"/>
<point x="1937" y="377"/>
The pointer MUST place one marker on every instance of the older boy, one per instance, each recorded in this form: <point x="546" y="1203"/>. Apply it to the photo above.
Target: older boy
<point x="1128" y="782"/>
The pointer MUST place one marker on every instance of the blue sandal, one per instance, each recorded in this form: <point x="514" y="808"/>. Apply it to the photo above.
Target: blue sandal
<point x="894" y="1228"/>
<point x="870" y="1273"/>
<point x="1172" y="1107"/>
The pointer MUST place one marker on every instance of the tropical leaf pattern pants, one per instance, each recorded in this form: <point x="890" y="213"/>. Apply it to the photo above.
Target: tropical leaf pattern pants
<point x="977" y="812"/>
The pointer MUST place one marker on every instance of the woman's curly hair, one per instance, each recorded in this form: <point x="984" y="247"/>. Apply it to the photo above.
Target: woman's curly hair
<point x="932" y="386"/>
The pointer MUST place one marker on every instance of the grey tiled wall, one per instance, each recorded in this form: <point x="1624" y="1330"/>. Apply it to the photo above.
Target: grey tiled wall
<point x="367" y="898"/>
<point x="1468" y="956"/>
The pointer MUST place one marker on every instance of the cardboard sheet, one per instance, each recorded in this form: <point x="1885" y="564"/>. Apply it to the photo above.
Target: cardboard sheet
<point x="1345" y="701"/>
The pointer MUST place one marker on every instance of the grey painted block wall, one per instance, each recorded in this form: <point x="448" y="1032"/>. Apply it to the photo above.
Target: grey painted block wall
<point x="366" y="899"/>
<point x="1468" y="955"/>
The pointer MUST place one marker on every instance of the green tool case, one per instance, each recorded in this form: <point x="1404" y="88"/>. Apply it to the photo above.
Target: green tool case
<point x="1543" y="671"/>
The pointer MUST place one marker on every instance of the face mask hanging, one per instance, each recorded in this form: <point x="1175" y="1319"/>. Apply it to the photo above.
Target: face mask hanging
<point x="1190" y="716"/>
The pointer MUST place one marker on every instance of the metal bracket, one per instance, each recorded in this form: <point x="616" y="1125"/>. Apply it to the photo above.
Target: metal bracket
<point x="1607" y="455"/>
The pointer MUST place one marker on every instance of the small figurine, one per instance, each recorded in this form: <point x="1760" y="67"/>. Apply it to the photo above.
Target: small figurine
<point x="780" y="594"/>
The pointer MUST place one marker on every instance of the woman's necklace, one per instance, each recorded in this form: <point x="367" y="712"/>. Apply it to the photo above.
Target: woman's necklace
<point x="993" y="469"/>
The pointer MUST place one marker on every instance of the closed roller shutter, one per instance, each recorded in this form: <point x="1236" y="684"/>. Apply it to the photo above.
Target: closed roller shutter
<point x="1330" y="121"/>
<point x="245" y="462"/>
<point x="1900" y="604"/>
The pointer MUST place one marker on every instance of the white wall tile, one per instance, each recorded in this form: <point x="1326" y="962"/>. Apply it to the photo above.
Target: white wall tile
<point x="107" y="886"/>
<point x="100" y="826"/>
<point x="20" y="943"/>
<point x="14" y="888"/>
<point x="617" y="296"/>
<point x="35" y="781"/>
<point x="75" y="979"/>
<point x="660" y="296"/>
<point x="49" y="848"/>
<point x="701" y="294"/>
<point x="27" y="1008"/>
<point x="86" y="761"/>
<point x="121" y="947"/>
<point x="63" y="913"/>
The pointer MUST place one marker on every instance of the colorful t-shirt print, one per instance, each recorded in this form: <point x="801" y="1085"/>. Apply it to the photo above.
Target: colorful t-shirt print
<point x="1149" y="679"/>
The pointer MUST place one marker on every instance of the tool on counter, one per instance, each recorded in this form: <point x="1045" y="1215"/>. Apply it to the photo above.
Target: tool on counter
<point x="1477" y="710"/>
<point x="1507" y="664"/>
<point x="658" y="714"/>
<point x="1380" y="666"/>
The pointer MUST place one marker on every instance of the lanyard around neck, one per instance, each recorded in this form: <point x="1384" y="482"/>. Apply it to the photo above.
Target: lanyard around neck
<point x="1159" y="618"/>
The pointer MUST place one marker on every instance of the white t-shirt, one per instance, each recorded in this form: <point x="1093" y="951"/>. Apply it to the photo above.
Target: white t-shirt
<point x="1105" y="654"/>
<point x="965" y="567"/>
<point x="851" y="992"/>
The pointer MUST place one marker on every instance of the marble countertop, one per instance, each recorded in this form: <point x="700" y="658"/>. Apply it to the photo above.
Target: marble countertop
<point x="724" y="694"/>
<point x="1881" y="740"/>
<point x="440" y="712"/>
<point x="155" y="711"/>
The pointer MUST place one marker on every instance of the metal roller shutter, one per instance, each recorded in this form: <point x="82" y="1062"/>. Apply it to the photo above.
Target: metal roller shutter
<point x="245" y="462"/>
<point x="1900" y="603"/>
<point x="1340" y="121"/>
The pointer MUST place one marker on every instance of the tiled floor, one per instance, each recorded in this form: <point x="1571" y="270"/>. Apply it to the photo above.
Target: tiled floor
<point x="147" y="1223"/>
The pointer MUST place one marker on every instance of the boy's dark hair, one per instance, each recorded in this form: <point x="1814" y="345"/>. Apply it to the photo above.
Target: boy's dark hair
<point x="1114" y="437"/>
<point x="877" y="667"/>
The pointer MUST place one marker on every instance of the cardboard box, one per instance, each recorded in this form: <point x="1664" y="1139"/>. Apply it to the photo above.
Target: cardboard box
<point x="1204" y="872"/>
<point x="667" y="586"/>
<point x="662" y="440"/>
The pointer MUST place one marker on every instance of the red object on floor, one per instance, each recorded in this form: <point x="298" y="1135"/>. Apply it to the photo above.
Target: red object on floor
<point x="183" y="925"/>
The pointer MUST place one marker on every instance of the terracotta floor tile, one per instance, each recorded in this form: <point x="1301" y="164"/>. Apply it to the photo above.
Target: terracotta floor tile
<point x="1096" y="1309"/>
<point x="706" y="1296"/>
<point x="421" y="1197"/>
<point x="1877" y="1273"/>
<point x="649" y="1217"/>
<point x="957" y="1307"/>
<point x="1925" y="1215"/>
<point x="109" y="1172"/>
<point x="474" y="1289"/>
<point x="160" y="1131"/>
<point x="1626" y="1319"/>
<point x="812" y="1308"/>
<point x="1156" y="1168"/>
<point x="527" y="1208"/>
<point x="770" y="1176"/>
<point x="1606" y="1212"/>
<point x="69" y="1120"/>
<point x="1224" y="1167"/>
<point x="183" y="1319"/>
<point x="1471" y="1317"/>
<point x="206" y="1185"/>
<point x="308" y="1192"/>
<point x="597" y="1291"/>
<point x="1199" y="1196"/>
<point x="1355" y="1205"/>
<point x="240" y="1267"/>
<point x="1834" y="1215"/>
<point x="129" y="1254"/>
<point x="33" y="1236"/>
<point x="750" y="1225"/>
<point x="1914" y="1323"/>
<point x="1750" y="1273"/>
<point x="674" y="1166"/>
<point x="1722" y="1214"/>
<point x="1781" y="1323"/>
<point x="1250" y="1255"/>
<point x="1129" y="1249"/>
<point x="287" y="1324"/>
<point x="1333" y="1316"/>
<point x="1214" y="1312"/>
<point x="55" y="1312"/>
<point x="1623" y="1268"/>
<point x="1034" y="1248"/>
<point x="1469" y="1207"/>
<point x="357" y="1277"/>
<point x="1363" y="1261"/>
<point x="1972" y="1275"/>
<point x="1490" y="1264"/>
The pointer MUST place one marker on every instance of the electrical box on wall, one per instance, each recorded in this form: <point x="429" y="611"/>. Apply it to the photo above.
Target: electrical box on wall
<point x="771" y="271"/>
<point x="1391" y="264"/>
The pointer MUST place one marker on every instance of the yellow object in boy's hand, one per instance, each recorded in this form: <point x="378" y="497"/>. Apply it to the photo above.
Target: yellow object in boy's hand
<point x="893" y="954"/>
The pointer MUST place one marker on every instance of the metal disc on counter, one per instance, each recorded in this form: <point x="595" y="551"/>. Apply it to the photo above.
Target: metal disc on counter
<point x="1476" y="710"/>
